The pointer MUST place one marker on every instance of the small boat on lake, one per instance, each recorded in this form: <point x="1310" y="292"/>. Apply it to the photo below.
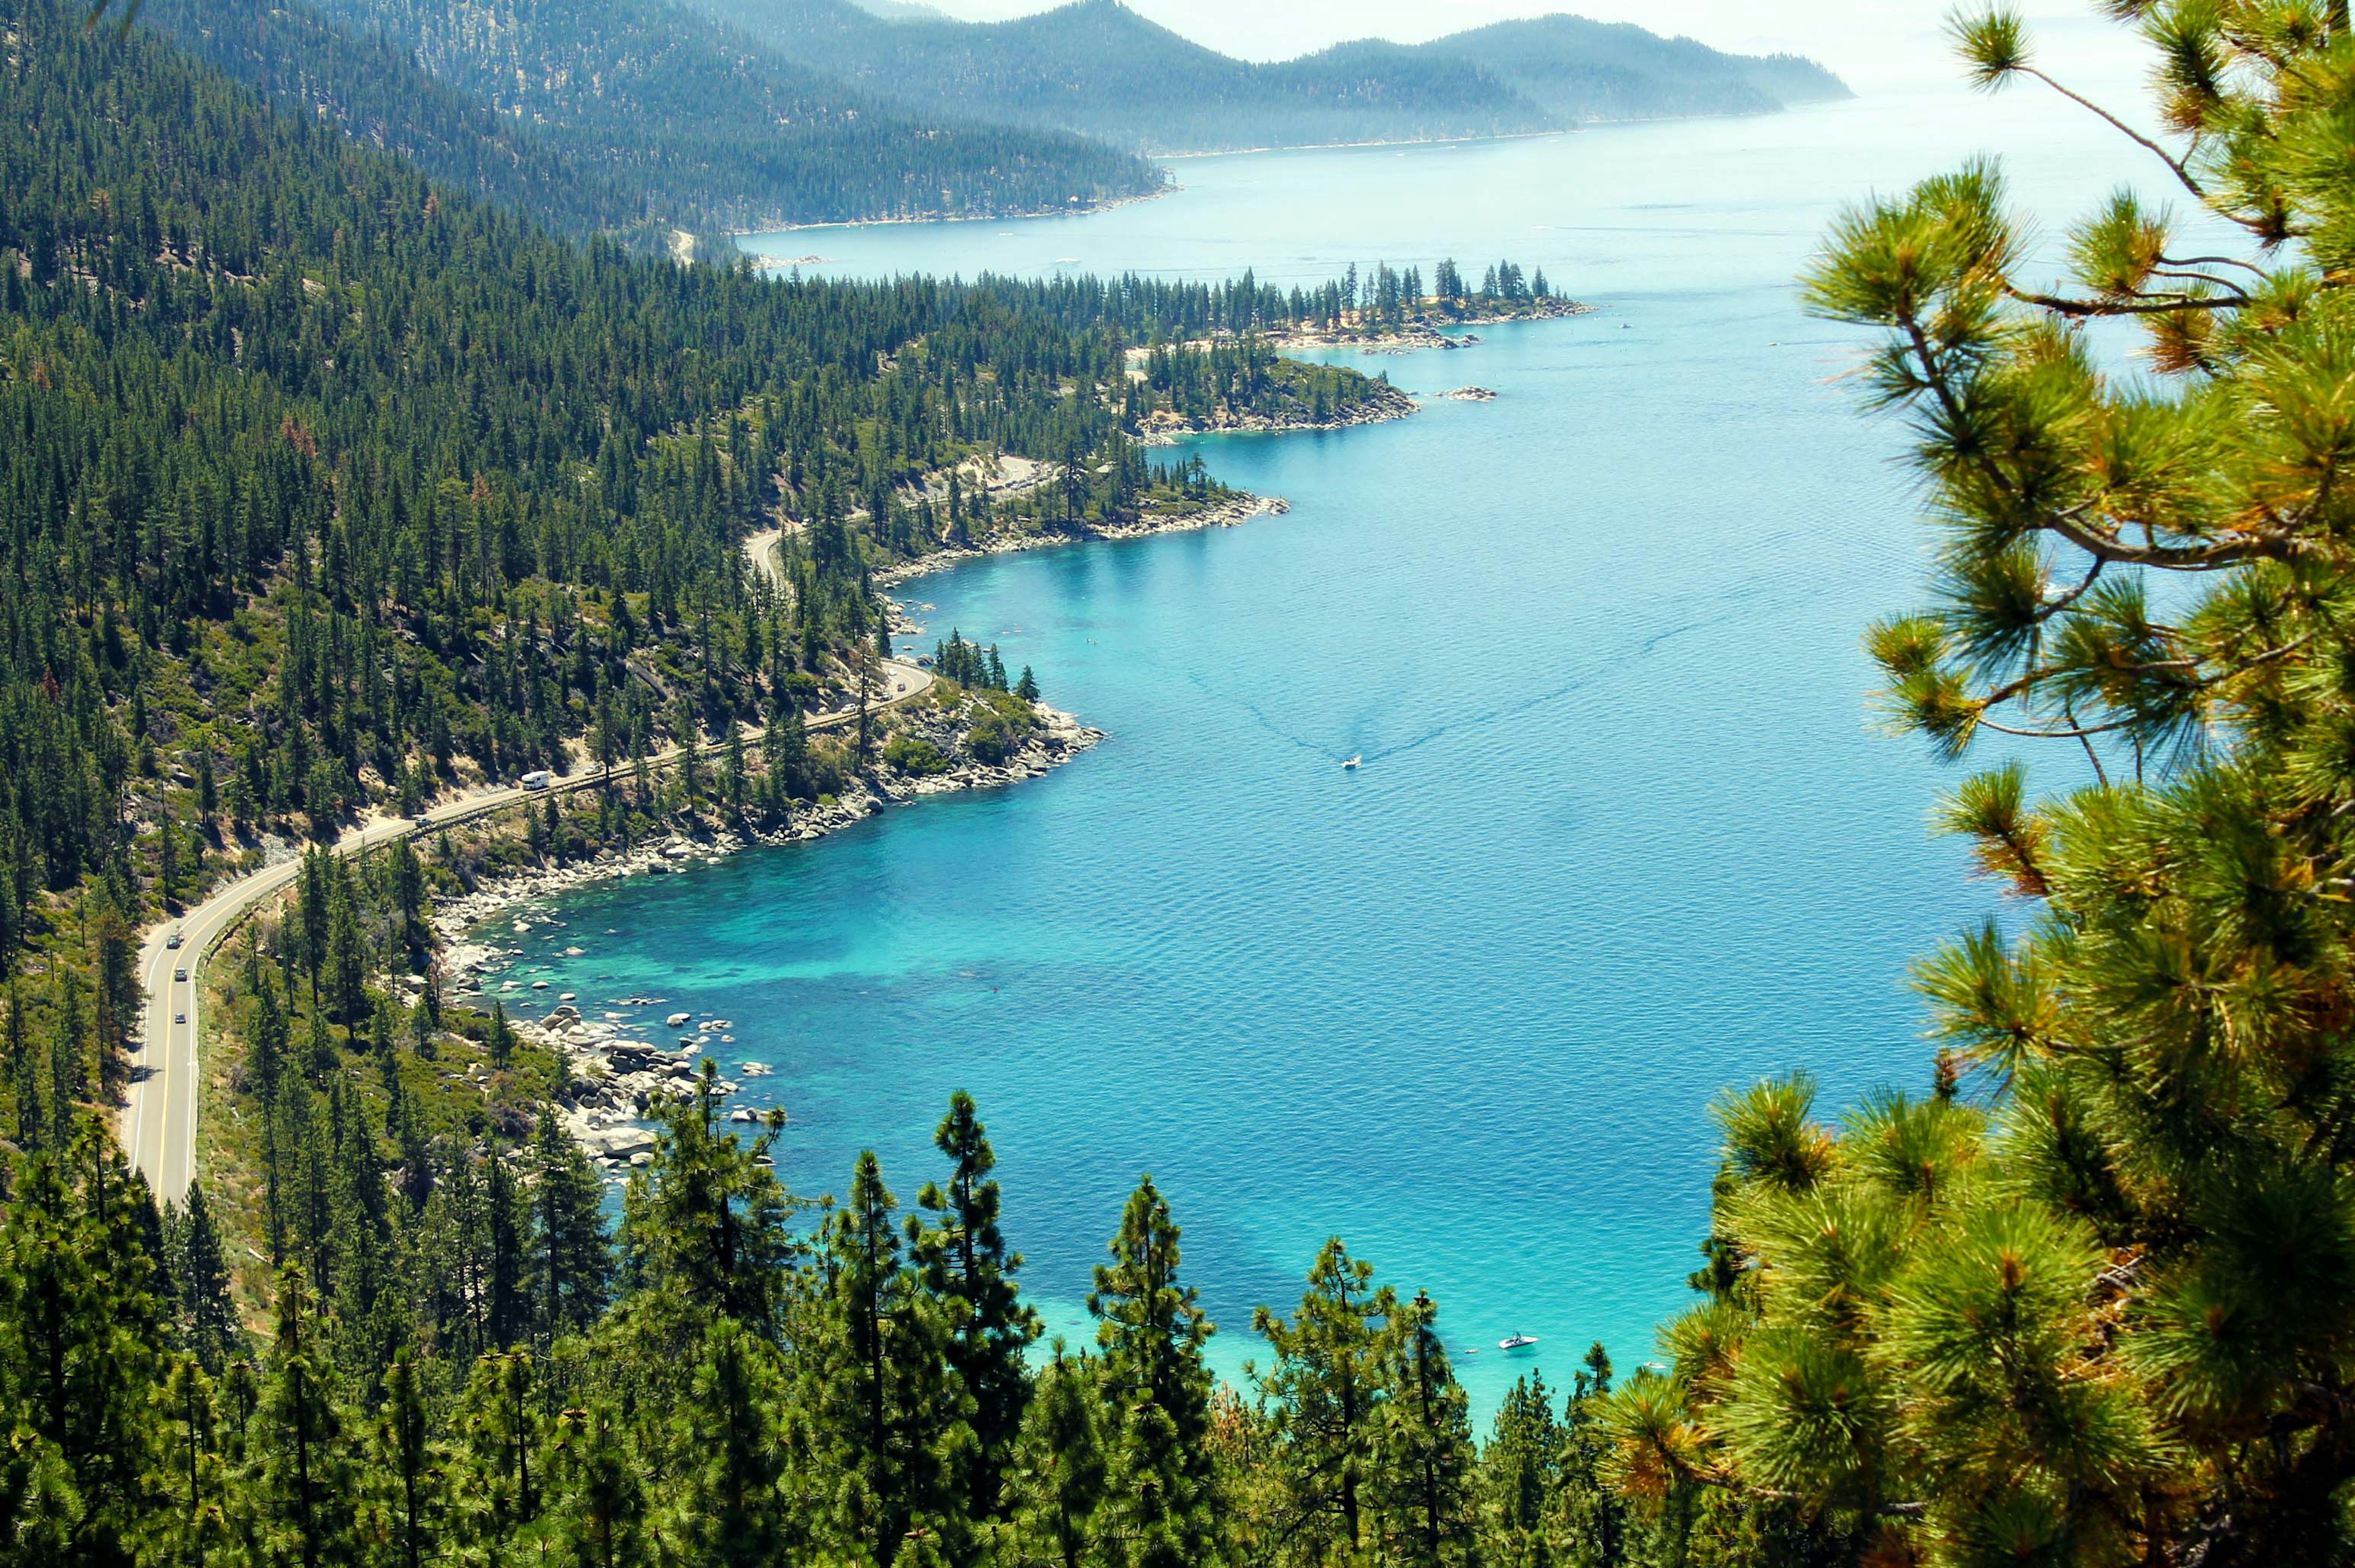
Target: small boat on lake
<point x="1517" y="1341"/>
<point x="1353" y="762"/>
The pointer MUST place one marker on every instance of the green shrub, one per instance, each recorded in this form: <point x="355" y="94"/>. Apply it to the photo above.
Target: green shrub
<point x="991" y="739"/>
<point x="914" y="754"/>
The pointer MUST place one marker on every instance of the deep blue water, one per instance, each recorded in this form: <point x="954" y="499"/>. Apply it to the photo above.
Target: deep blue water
<point x="1624" y="834"/>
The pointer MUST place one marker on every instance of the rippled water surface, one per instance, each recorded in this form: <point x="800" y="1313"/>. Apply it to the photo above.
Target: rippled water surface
<point x="1622" y="835"/>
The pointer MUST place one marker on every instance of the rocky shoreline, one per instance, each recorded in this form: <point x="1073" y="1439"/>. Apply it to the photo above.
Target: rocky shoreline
<point x="1427" y="331"/>
<point x="1384" y="403"/>
<point x="1086" y="206"/>
<point x="616" y="1065"/>
<point x="1224" y="515"/>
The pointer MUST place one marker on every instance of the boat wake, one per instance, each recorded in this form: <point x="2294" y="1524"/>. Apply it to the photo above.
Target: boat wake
<point x="1641" y="648"/>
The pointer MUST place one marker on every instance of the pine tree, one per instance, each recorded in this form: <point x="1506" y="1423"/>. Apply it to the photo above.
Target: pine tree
<point x="453" y="1271"/>
<point x="729" y="1509"/>
<point x="271" y="1073"/>
<point x="966" y="1266"/>
<point x="215" y="1335"/>
<point x="408" y="878"/>
<point x="2056" y="1335"/>
<point x="311" y="920"/>
<point x="498" y="1423"/>
<point x="733" y="777"/>
<point x="194" y="1525"/>
<point x="1152" y="1334"/>
<point x="1326" y="1393"/>
<point x="368" y="1314"/>
<point x="1594" y="1513"/>
<point x="299" y="1481"/>
<point x="897" y="1411"/>
<point x="1058" y="1477"/>
<point x="320" y="1057"/>
<point x="570" y="1261"/>
<point x="348" y="956"/>
<point x="597" y="1502"/>
<point x="1520" y="1471"/>
<point x="507" y="1312"/>
<point x="80" y="1362"/>
<point x="1425" y="1457"/>
<point x="784" y="746"/>
<point x="706" y="1223"/>
<point x="499" y="1039"/>
<point x="403" y="1462"/>
<point x="306" y="1154"/>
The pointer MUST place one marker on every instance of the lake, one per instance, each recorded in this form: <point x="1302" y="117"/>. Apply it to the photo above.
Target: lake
<point x="1624" y="834"/>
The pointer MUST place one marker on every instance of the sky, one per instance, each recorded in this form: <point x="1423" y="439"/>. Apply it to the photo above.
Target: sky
<point x="1874" y="44"/>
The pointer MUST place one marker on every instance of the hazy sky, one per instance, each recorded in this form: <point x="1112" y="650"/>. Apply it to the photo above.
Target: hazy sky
<point x="1868" y="42"/>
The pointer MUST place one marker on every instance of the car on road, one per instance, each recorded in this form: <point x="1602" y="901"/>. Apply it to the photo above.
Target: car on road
<point x="180" y="1017"/>
<point x="179" y="974"/>
<point x="423" y="820"/>
<point x="173" y="940"/>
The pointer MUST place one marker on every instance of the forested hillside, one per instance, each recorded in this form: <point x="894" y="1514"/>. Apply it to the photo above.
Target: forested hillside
<point x="376" y="92"/>
<point x="614" y="114"/>
<point x="1097" y="67"/>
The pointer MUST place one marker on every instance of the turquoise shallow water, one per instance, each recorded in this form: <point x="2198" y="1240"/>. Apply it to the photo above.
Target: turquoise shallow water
<point x="1622" y="836"/>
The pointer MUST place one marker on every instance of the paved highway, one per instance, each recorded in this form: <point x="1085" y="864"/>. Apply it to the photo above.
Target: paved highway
<point x="159" y="1121"/>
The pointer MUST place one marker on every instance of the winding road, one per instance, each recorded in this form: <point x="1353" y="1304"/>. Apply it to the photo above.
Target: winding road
<point x="159" y="1120"/>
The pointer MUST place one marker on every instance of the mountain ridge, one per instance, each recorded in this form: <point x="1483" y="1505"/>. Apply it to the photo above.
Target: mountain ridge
<point x="617" y="115"/>
<point x="1102" y="69"/>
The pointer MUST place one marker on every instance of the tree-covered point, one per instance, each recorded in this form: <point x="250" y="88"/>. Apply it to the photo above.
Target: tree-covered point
<point x="1162" y="311"/>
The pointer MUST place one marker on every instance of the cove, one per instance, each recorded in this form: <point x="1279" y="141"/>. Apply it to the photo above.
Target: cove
<point x="1624" y="834"/>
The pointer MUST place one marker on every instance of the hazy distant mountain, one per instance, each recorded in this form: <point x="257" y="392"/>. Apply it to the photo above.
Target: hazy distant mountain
<point x="1579" y="70"/>
<point x="646" y="106"/>
<point x="1097" y="67"/>
<point x="642" y="115"/>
